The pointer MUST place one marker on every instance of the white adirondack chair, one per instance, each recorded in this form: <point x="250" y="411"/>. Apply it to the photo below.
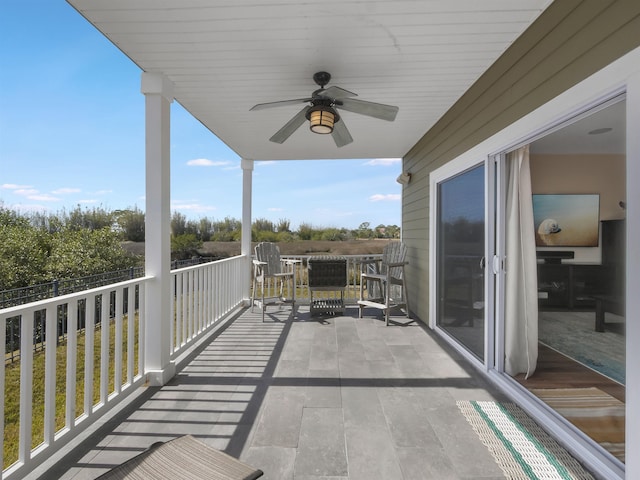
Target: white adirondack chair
<point x="271" y="273"/>
<point x="380" y="277"/>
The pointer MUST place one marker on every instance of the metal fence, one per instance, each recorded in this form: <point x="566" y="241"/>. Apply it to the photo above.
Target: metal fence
<point x="55" y="288"/>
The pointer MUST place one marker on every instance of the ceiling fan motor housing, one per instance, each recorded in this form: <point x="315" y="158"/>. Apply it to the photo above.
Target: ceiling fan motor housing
<point x="322" y="78"/>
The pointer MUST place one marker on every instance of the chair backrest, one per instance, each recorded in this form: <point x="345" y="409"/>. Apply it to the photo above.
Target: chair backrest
<point x="394" y="252"/>
<point x="270" y="254"/>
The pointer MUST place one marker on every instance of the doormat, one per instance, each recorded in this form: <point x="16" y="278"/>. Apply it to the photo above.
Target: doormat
<point x="520" y="447"/>
<point x="596" y="413"/>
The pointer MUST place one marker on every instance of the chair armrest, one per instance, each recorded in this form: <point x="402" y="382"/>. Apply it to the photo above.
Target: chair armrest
<point x="376" y="276"/>
<point x="397" y="264"/>
<point x="258" y="262"/>
<point x="291" y="261"/>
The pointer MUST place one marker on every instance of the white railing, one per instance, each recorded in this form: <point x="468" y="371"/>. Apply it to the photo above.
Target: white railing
<point x="203" y="295"/>
<point x="97" y="358"/>
<point x="93" y="358"/>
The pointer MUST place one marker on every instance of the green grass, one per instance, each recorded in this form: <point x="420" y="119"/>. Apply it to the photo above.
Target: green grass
<point x="12" y="386"/>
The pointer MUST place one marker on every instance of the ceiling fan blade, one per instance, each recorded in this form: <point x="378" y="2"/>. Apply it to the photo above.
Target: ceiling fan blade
<point x="340" y="134"/>
<point x="291" y="126"/>
<point x="337" y="92"/>
<point x="371" y="109"/>
<point x="282" y="103"/>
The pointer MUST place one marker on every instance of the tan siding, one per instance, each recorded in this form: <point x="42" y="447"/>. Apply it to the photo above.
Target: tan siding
<point x="570" y="41"/>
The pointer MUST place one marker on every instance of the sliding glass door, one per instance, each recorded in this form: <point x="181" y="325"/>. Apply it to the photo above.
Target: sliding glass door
<point x="460" y="260"/>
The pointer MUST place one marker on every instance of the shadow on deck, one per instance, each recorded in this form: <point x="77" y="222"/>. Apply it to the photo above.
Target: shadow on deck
<point x="307" y="398"/>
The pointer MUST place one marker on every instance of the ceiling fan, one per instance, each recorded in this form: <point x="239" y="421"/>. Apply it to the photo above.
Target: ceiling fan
<point x="322" y="111"/>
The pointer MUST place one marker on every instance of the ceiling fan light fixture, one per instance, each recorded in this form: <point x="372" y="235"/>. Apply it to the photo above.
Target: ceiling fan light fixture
<point x="322" y="119"/>
<point x="322" y="108"/>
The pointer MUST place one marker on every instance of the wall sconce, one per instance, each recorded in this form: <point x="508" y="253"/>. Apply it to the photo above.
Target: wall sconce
<point x="404" y="178"/>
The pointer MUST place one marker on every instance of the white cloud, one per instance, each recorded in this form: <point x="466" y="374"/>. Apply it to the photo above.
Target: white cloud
<point x="43" y="197"/>
<point x="383" y="161"/>
<point x="26" y="191"/>
<point x="34" y="194"/>
<point x="205" y="162"/>
<point x="103" y="192"/>
<point x="13" y="186"/>
<point x="64" y="191"/>
<point x="275" y="209"/>
<point x="389" y="197"/>
<point x="192" y="207"/>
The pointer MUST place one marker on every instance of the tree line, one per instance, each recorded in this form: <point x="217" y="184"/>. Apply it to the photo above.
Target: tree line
<point x="38" y="247"/>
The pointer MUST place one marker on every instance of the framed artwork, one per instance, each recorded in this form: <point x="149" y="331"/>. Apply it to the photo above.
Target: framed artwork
<point x="566" y="220"/>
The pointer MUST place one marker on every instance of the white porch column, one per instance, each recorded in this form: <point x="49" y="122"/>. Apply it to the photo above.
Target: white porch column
<point x="158" y="91"/>
<point x="245" y="245"/>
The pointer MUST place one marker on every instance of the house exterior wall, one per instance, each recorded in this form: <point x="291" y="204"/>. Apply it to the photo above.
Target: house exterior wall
<point x="569" y="42"/>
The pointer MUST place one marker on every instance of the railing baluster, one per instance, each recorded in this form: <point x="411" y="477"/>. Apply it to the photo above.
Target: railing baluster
<point x="141" y="328"/>
<point x="176" y="282"/>
<point x="198" y="300"/>
<point x="26" y="385"/>
<point x="185" y="308"/>
<point x="104" y="348"/>
<point x="205" y="297"/>
<point x="226" y="295"/>
<point x="72" y="356"/>
<point x="131" y="323"/>
<point x="51" y="344"/>
<point x="193" y="291"/>
<point x="89" y="345"/>
<point x="216" y="287"/>
<point x="117" y="379"/>
<point x="184" y="305"/>
<point x="174" y="324"/>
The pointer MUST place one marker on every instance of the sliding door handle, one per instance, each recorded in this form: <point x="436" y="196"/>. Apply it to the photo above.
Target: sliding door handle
<point x="497" y="265"/>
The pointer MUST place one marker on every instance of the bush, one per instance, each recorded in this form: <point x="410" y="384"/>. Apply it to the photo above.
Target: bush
<point x="45" y="250"/>
<point x="131" y="223"/>
<point x="264" y="236"/>
<point x="24" y="255"/>
<point x="77" y="253"/>
<point x="184" y="246"/>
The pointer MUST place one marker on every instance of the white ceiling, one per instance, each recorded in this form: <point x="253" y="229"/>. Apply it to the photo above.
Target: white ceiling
<point x="226" y="56"/>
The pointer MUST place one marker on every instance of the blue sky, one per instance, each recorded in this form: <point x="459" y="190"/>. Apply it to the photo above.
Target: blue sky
<point x="72" y="133"/>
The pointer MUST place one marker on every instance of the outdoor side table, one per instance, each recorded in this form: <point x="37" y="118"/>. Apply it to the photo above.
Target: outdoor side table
<point x="327" y="274"/>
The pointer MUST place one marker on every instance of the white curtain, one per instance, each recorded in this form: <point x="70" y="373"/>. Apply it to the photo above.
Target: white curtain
<point x="521" y="291"/>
